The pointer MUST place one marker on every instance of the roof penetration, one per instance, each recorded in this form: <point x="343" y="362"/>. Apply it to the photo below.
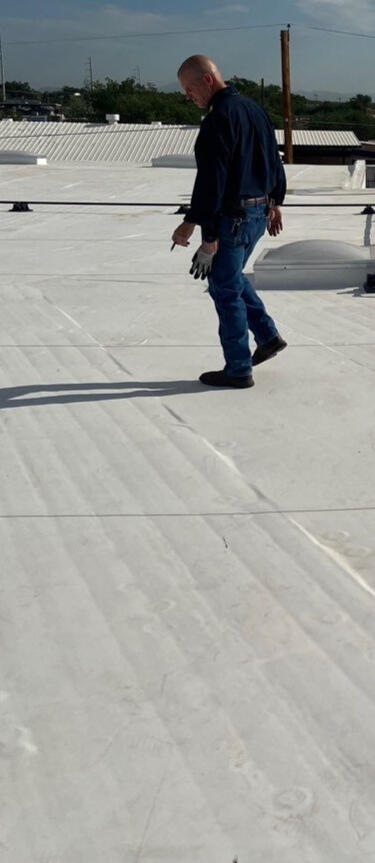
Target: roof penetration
<point x="304" y="264"/>
<point x="10" y="157"/>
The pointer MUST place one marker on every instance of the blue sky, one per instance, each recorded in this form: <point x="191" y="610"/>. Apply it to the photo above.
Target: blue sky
<point x="320" y="61"/>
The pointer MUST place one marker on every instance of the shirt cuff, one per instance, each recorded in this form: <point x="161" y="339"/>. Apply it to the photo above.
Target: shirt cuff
<point x="209" y="234"/>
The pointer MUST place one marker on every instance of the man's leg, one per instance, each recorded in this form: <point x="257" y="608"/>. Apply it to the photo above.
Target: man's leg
<point x="259" y="321"/>
<point x="226" y="290"/>
<point x="263" y="327"/>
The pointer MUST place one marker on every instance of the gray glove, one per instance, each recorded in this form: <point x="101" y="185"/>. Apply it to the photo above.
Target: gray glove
<point x="201" y="265"/>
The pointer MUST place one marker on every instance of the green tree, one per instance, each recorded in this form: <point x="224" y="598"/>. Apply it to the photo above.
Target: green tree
<point x="361" y="102"/>
<point x="20" y="90"/>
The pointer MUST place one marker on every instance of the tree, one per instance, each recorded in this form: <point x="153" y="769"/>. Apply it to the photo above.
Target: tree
<point x="138" y="103"/>
<point x="20" y="90"/>
<point x="361" y="102"/>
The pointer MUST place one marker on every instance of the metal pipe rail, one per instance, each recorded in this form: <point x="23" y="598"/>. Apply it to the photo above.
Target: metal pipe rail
<point x="22" y="206"/>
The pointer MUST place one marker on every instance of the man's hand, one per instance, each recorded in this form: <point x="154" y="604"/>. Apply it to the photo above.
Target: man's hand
<point x="202" y="260"/>
<point x="274" y="221"/>
<point x="183" y="233"/>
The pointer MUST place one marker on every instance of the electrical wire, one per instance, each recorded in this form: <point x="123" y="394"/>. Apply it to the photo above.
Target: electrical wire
<point x="338" y="32"/>
<point x="146" y="35"/>
<point x="298" y="25"/>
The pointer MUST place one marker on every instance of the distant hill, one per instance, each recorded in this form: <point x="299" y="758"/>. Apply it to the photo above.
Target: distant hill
<point x="327" y="95"/>
<point x="170" y="88"/>
<point x="312" y="95"/>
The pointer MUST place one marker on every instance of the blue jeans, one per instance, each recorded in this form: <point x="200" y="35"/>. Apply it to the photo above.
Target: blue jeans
<point x="238" y="306"/>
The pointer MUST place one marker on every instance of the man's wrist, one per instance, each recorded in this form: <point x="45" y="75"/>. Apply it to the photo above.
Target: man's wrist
<point x="208" y="237"/>
<point x="188" y="218"/>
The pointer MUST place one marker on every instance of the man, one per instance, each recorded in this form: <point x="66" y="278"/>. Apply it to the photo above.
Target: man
<point x="239" y="186"/>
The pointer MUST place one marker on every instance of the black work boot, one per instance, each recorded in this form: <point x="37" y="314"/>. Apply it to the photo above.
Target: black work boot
<point x="270" y="349"/>
<point x="220" y="379"/>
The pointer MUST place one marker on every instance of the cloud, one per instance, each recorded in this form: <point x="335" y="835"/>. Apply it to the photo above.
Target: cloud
<point x="51" y="62"/>
<point x="341" y="14"/>
<point x="227" y="10"/>
<point x="55" y="62"/>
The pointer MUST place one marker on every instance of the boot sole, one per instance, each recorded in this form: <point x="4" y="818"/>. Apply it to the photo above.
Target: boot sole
<point x="270" y="356"/>
<point x="221" y="386"/>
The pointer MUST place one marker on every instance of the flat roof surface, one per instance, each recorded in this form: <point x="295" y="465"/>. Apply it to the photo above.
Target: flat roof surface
<point x="188" y="575"/>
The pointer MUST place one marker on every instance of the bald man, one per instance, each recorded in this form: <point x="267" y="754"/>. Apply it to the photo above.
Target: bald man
<point x="238" y="190"/>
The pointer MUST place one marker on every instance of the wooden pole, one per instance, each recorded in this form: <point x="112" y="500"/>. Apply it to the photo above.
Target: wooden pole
<point x="287" y="101"/>
<point x="262" y="92"/>
<point x="90" y="74"/>
<point x="2" y="72"/>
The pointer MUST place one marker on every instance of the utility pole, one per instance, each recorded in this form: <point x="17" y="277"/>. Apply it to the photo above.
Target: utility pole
<point x="90" y="73"/>
<point x="2" y="72"/>
<point x="262" y="92"/>
<point x="88" y="80"/>
<point x="287" y="101"/>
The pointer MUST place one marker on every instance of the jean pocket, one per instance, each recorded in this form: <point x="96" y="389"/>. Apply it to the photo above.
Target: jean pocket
<point x="254" y="228"/>
<point x="228" y="230"/>
<point x="234" y="230"/>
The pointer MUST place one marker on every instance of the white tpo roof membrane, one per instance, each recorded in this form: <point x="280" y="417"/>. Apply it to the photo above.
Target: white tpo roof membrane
<point x="188" y="575"/>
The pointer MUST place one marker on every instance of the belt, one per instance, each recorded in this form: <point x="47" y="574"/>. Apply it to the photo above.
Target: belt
<point x="247" y="202"/>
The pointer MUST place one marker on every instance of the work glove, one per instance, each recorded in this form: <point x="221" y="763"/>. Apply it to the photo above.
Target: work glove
<point x="201" y="265"/>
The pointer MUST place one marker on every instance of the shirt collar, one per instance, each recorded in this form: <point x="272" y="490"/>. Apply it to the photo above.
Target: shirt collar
<point x="225" y="91"/>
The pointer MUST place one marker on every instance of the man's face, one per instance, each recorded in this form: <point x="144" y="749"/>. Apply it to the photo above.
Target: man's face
<point x="198" y="88"/>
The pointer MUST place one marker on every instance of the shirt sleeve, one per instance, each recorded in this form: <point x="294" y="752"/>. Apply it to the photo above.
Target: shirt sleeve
<point x="213" y="153"/>
<point x="279" y="190"/>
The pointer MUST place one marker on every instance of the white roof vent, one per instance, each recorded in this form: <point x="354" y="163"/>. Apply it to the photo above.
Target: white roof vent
<point x="14" y="157"/>
<point x="112" y="118"/>
<point x="313" y="264"/>
<point x="177" y="160"/>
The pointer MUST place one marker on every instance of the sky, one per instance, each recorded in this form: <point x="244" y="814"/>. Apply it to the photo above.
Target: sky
<point x="320" y="61"/>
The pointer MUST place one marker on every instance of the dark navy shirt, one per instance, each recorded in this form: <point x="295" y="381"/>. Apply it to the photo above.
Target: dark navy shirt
<point x="237" y="157"/>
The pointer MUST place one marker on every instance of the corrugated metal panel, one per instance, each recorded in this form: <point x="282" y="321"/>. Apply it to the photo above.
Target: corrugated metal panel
<point x="318" y="138"/>
<point x="89" y="142"/>
<point x="75" y="142"/>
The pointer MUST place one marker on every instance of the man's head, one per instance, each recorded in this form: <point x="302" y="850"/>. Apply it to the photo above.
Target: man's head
<point x="200" y="78"/>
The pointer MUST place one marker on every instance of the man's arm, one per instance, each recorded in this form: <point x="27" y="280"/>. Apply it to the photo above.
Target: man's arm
<point x="279" y="189"/>
<point x="182" y="234"/>
<point x="213" y="154"/>
<point x="275" y="222"/>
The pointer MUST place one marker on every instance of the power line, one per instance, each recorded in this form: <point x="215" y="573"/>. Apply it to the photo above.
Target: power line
<point x="191" y="32"/>
<point x="145" y="35"/>
<point x="341" y="32"/>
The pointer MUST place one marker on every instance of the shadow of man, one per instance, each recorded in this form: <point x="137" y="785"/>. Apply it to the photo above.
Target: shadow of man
<point x="16" y="397"/>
